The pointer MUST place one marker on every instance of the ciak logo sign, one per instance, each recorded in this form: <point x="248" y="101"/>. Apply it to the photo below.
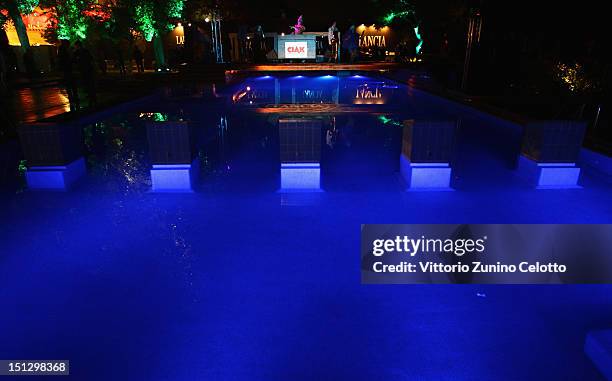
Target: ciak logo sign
<point x="296" y="49"/>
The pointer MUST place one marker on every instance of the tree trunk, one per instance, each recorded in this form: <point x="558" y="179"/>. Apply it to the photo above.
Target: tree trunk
<point x="158" y="48"/>
<point x="20" y="27"/>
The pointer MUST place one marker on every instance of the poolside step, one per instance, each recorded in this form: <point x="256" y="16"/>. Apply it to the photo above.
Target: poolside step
<point x="55" y="177"/>
<point x="427" y="150"/>
<point x="425" y="176"/>
<point x="549" y="175"/>
<point x="598" y="347"/>
<point x="174" y="177"/>
<point x="300" y="176"/>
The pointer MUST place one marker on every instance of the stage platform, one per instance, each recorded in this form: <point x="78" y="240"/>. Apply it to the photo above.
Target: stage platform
<point x="311" y="66"/>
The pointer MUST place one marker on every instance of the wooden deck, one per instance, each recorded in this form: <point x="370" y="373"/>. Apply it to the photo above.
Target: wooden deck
<point x="324" y="66"/>
<point x="309" y="109"/>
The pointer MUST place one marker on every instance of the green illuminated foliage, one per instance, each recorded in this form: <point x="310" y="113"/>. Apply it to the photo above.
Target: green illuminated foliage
<point x="69" y="19"/>
<point x="155" y="116"/>
<point x="392" y="16"/>
<point x="22" y="167"/>
<point x="418" y="36"/>
<point x="154" y="17"/>
<point x="388" y="121"/>
<point x="401" y="9"/>
<point x="404" y="10"/>
<point x="26" y="6"/>
<point x="72" y="24"/>
<point x="159" y="117"/>
<point x="145" y="19"/>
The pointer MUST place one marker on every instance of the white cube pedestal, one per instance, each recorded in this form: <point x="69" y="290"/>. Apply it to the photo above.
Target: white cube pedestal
<point x="549" y="175"/>
<point x="426" y="176"/>
<point x="174" y="177"/>
<point x="300" y="177"/>
<point x="55" y="177"/>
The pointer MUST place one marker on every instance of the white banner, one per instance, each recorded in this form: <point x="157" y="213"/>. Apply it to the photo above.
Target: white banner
<point x="296" y="49"/>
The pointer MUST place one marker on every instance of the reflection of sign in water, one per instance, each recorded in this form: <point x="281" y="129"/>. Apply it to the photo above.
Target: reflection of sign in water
<point x="296" y="49"/>
<point x="258" y="95"/>
<point x="313" y="94"/>
<point x="368" y="41"/>
<point x="365" y="92"/>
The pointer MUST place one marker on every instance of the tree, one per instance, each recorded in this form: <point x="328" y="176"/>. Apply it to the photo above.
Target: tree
<point x="15" y="9"/>
<point x="110" y="21"/>
<point x="154" y="18"/>
<point x="69" y="19"/>
<point x="402" y="10"/>
<point x="201" y="10"/>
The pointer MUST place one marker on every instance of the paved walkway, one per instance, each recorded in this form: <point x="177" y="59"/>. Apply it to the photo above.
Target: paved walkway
<point x="31" y="104"/>
<point x="47" y="98"/>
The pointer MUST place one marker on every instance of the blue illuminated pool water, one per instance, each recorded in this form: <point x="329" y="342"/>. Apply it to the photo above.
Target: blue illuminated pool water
<point x="240" y="280"/>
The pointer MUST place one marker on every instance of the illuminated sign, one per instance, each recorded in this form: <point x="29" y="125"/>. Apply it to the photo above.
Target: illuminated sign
<point x="367" y="41"/>
<point x="176" y="36"/>
<point x="375" y="37"/>
<point x="296" y="49"/>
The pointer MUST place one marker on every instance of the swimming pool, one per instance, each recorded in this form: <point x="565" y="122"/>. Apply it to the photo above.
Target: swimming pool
<point x="255" y="273"/>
